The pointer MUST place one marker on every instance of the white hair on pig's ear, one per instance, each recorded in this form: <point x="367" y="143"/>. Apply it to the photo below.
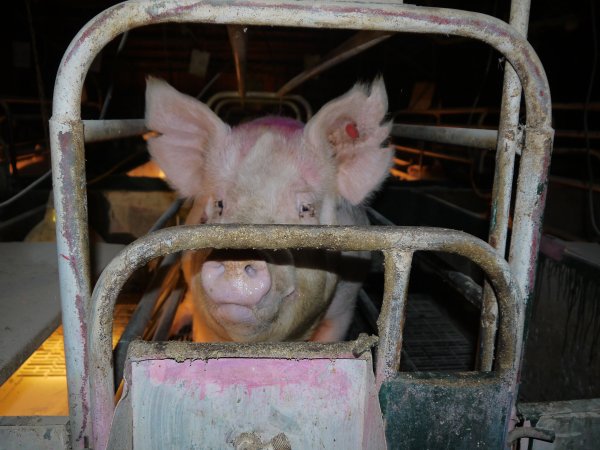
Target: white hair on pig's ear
<point x="352" y="128"/>
<point x="188" y="130"/>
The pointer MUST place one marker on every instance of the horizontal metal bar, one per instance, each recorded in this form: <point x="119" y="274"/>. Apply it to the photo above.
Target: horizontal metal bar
<point x="573" y="183"/>
<point x="416" y="151"/>
<point x="104" y="130"/>
<point x="259" y="97"/>
<point x="469" y="137"/>
<point x="393" y="241"/>
<point x="143" y="351"/>
<point x="358" y="43"/>
<point x="239" y="101"/>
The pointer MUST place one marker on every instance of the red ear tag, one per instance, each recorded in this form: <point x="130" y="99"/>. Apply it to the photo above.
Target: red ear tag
<point x="352" y="131"/>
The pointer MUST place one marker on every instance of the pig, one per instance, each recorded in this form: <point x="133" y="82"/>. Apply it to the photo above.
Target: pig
<point x="272" y="170"/>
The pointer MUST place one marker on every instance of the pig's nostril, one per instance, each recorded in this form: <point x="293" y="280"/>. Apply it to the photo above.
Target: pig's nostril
<point x="250" y="271"/>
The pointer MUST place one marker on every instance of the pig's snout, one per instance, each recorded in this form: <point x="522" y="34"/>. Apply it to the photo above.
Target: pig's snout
<point x="237" y="283"/>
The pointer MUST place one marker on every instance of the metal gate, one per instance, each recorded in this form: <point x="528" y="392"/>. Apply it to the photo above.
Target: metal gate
<point x="417" y="408"/>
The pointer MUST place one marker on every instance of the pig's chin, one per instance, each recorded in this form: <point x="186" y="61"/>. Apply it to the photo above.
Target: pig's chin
<point x="248" y="324"/>
<point x="231" y="314"/>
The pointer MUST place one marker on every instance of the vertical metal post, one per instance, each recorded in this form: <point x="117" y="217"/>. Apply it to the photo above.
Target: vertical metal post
<point x="393" y="313"/>
<point x="239" y="43"/>
<point x="506" y="149"/>
<point x="68" y="178"/>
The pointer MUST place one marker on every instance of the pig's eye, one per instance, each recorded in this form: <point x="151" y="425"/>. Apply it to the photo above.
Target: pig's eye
<point x="219" y="207"/>
<point x="306" y="210"/>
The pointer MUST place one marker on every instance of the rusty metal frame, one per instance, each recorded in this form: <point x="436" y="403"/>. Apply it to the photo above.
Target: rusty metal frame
<point x="397" y="243"/>
<point x="508" y="146"/>
<point x="67" y="142"/>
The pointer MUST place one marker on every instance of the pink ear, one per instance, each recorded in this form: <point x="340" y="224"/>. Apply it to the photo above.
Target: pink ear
<point x="351" y="127"/>
<point x="189" y="129"/>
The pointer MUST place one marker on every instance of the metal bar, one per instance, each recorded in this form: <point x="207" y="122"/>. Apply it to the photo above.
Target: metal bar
<point x="416" y="151"/>
<point x="361" y="41"/>
<point x="239" y="42"/>
<point x="509" y="144"/>
<point x="574" y="183"/>
<point x="393" y="313"/>
<point x="215" y="101"/>
<point x="104" y="130"/>
<point x="469" y="137"/>
<point x="438" y="112"/>
<point x="166" y="318"/>
<point x="67" y="131"/>
<point x="165" y="276"/>
<point x="72" y="242"/>
<point x="38" y="75"/>
<point x="167" y="215"/>
<point x="397" y="243"/>
<point x="239" y="101"/>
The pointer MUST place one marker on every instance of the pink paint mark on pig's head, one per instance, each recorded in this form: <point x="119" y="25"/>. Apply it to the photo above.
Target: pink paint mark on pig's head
<point x="248" y="133"/>
<point x="286" y="125"/>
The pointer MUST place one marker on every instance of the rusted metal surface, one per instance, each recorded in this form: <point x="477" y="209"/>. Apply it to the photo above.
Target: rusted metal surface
<point x="239" y="41"/>
<point x="72" y="242"/>
<point x="393" y="313"/>
<point x="397" y="243"/>
<point x="361" y="41"/>
<point x="103" y="130"/>
<point x="469" y="137"/>
<point x="67" y="132"/>
<point x="509" y="144"/>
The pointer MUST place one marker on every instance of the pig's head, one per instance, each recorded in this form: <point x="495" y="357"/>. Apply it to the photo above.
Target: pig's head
<point x="271" y="170"/>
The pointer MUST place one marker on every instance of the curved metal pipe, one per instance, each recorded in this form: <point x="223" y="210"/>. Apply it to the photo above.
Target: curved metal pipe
<point x="397" y="243"/>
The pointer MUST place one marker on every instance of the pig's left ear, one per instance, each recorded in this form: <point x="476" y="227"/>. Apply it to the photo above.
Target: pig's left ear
<point x="351" y="127"/>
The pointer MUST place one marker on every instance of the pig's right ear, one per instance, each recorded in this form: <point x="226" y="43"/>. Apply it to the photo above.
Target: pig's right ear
<point x="188" y="128"/>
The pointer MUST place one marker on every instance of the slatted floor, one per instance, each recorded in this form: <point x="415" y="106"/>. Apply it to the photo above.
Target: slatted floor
<point x="432" y="340"/>
<point x="39" y="386"/>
